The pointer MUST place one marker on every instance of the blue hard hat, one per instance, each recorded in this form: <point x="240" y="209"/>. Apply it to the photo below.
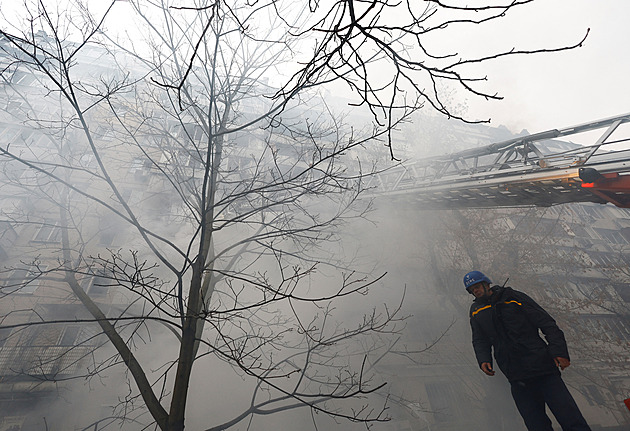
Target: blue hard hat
<point x="475" y="277"/>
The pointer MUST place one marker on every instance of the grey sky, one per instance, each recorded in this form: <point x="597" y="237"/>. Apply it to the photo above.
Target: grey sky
<point x="563" y="89"/>
<point x="547" y="90"/>
<point x="557" y="89"/>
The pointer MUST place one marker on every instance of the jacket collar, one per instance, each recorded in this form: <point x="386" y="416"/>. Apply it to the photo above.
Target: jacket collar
<point x="497" y="291"/>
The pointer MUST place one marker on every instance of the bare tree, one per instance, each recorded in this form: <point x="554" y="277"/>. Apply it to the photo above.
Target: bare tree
<point x="388" y="53"/>
<point x="227" y="224"/>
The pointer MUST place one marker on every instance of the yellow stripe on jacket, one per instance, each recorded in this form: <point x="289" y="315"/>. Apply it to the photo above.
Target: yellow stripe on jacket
<point x="490" y="306"/>
<point x="479" y="309"/>
<point x="513" y="301"/>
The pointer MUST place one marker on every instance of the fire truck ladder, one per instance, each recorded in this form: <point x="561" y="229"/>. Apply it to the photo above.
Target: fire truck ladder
<point x="542" y="169"/>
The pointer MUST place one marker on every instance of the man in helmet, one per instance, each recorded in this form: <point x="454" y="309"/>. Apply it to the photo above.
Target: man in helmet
<point x="508" y="322"/>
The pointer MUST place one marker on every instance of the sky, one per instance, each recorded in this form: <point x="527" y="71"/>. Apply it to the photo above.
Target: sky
<point x="557" y="90"/>
<point x="553" y="90"/>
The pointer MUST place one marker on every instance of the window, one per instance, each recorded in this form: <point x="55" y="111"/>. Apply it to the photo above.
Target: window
<point x="166" y="158"/>
<point x="88" y="161"/>
<point x="193" y="132"/>
<point x="14" y="105"/>
<point x="97" y="286"/>
<point x="12" y="423"/>
<point x="617" y="329"/>
<point x="140" y="169"/>
<point x="623" y="290"/>
<point x="22" y="281"/>
<point x="8" y="134"/>
<point x="7" y="238"/>
<point x="4" y="335"/>
<point x="181" y="158"/>
<point x="584" y="232"/>
<point x="131" y="197"/>
<point x="106" y="237"/>
<point x="136" y="165"/>
<point x="7" y="233"/>
<point x="38" y="141"/>
<point x="87" y="335"/>
<point x="140" y="164"/>
<point x="69" y="335"/>
<point x="593" y="395"/>
<point x="612" y="236"/>
<point x="446" y="401"/>
<point x="42" y="336"/>
<point x="48" y="232"/>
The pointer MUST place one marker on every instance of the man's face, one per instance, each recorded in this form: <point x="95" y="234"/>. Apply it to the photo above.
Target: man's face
<point x="481" y="289"/>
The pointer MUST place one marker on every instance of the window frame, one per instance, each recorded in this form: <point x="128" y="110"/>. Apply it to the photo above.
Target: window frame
<point x="53" y="235"/>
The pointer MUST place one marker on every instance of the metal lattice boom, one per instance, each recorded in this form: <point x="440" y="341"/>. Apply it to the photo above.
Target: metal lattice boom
<point x="541" y="169"/>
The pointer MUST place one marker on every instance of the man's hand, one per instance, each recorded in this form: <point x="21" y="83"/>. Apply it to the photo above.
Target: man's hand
<point x="486" y="367"/>
<point x="562" y="362"/>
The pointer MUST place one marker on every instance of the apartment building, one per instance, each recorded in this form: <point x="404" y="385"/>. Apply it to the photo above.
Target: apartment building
<point x="571" y="258"/>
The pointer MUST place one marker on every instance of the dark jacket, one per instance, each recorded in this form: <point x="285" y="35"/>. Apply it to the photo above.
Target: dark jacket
<point x="509" y="321"/>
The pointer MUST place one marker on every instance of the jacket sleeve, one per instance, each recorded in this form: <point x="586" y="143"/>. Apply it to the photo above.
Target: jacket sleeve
<point x="481" y="343"/>
<point x="543" y="321"/>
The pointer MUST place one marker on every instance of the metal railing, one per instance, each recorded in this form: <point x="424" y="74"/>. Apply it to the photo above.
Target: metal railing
<point x="547" y="160"/>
